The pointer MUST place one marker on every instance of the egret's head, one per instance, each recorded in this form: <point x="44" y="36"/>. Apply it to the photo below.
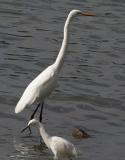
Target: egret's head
<point x="78" y="12"/>
<point x="33" y="122"/>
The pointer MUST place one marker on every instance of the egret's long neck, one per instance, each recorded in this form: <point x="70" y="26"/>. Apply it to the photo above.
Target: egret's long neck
<point x="44" y="134"/>
<point x="60" y="57"/>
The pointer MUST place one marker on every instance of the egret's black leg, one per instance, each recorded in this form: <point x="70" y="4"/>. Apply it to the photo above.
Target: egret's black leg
<point x="32" y="116"/>
<point x="41" y="112"/>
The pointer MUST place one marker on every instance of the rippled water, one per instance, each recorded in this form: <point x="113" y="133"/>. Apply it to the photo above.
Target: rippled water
<point x="91" y="91"/>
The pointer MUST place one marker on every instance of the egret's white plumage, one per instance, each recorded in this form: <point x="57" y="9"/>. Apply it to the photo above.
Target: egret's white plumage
<point x="45" y="82"/>
<point x="38" y="89"/>
<point x="60" y="147"/>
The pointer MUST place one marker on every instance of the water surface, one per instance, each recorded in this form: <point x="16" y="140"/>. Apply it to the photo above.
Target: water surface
<point x="91" y="91"/>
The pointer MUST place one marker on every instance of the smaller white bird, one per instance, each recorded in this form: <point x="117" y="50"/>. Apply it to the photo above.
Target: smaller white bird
<point x="60" y="147"/>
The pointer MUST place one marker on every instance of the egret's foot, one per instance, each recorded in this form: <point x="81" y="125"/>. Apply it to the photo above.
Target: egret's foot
<point x="27" y="127"/>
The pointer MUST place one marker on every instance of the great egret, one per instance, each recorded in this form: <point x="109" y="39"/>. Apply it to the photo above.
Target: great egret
<point x="45" y="82"/>
<point x="60" y="147"/>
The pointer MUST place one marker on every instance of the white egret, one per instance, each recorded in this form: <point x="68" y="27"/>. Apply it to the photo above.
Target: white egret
<point x="60" y="147"/>
<point x="45" y="82"/>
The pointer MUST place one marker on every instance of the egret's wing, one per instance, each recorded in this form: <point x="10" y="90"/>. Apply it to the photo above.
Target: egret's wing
<point x="35" y="88"/>
<point x="43" y="78"/>
<point x="63" y="146"/>
<point x="28" y="96"/>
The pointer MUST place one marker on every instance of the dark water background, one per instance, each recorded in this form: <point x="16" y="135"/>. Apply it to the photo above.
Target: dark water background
<point x="91" y="91"/>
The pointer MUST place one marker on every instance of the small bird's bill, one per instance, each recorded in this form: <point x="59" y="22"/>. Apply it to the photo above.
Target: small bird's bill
<point x="27" y="127"/>
<point x="87" y="14"/>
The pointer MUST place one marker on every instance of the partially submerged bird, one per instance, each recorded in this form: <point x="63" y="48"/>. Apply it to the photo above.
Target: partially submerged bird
<point x="60" y="147"/>
<point x="80" y="134"/>
<point x="45" y="82"/>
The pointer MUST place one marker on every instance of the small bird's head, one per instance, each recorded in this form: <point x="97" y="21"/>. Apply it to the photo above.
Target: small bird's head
<point x="33" y="122"/>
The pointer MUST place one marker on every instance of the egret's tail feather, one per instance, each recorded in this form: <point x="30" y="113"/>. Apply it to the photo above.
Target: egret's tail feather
<point x="19" y="107"/>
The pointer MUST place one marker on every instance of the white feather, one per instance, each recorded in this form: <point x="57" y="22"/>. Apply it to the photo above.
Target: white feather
<point x="60" y="147"/>
<point x="38" y="89"/>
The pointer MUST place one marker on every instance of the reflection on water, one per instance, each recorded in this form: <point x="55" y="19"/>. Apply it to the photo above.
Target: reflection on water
<point x="91" y="91"/>
<point x="27" y="150"/>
